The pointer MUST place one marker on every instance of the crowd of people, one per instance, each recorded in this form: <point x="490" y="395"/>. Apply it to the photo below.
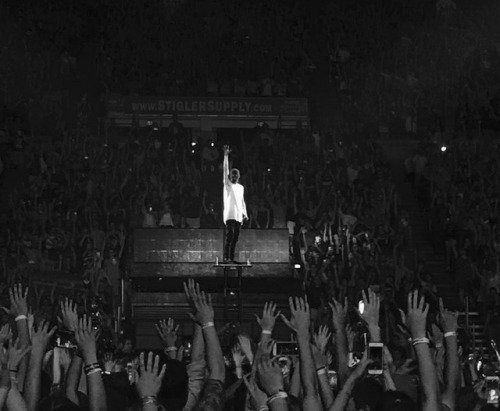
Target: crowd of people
<point x="458" y="184"/>
<point x="79" y="199"/>
<point x="72" y="201"/>
<point x="63" y="364"/>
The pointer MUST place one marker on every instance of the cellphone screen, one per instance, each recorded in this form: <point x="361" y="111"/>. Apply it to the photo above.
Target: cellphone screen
<point x="375" y="355"/>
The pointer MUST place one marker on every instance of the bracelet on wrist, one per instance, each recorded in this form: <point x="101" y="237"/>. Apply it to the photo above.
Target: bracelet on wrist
<point x="94" y="371"/>
<point x="149" y="399"/>
<point x="423" y="340"/>
<point x="266" y="332"/>
<point x="91" y="367"/>
<point x="321" y="371"/>
<point x="264" y="408"/>
<point x="278" y="395"/>
<point x="21" y="317"/>
<point x="450" y="334"/>
<point x="207" y="325"/>
<point x="170" y="349"/>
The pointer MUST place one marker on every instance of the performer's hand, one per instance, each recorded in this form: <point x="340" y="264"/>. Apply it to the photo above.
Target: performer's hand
<point x="226" y="149"/>
<point x="245" y="217"/>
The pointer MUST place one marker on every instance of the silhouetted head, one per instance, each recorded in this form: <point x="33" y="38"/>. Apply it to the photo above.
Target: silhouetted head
<point x="234" y="175"/>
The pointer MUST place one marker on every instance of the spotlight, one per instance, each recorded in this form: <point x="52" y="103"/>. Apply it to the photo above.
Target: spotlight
<point x="212" y="144"/>
<point x="193" y="143"/>
<point x="296" y="266"/>
<point x="443" y="149"/>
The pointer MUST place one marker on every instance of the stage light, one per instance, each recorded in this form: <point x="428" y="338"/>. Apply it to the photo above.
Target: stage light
<point x="443" y="149"/>
<point x="212" y="144"/>
<point x="192" y="151"/>
<point x="296" y="266"/>
<point x="193" y="143"/>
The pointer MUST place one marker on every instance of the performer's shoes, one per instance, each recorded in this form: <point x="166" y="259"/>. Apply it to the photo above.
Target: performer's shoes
<point x="226" y="261"/>
<point x="235" y="262"/>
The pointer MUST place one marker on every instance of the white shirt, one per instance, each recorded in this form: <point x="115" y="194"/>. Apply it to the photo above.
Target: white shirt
<point x="234" y="202"/>
<point x="166" y="220"/>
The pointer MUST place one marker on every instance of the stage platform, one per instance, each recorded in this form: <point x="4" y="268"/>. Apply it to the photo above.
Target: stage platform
<point x="193" y="252"/>
<point x="165" y="259"/>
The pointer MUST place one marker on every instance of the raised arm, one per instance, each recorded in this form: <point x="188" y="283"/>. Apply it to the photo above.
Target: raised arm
<point x="343" y="397"/>
<point x="449" y="325"/>
<point x="149" y="383"/>
<point x="196" y="369"/>
<point x="204" y="316"/>
<point x="300" y="322"/>
<point x="168" y="334"/>
<point x="4" y="386"/>
<point x="225" y="168"/>
<point x="86" y="339"/>
<point x="40" y="338"/>
<point x="19" y="311"/>
<point x="13" y="357"/>
<point x="339" y="313"/>
<point x="320" y="361"/>
<point x="212" y="397"/>
<point x="371" y="314"/>
<point x="267" y="321"/>
<point x="416" y="320"/>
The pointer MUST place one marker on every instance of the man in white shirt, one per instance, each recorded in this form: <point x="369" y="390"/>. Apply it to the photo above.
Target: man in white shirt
<point x="235" y="209"/>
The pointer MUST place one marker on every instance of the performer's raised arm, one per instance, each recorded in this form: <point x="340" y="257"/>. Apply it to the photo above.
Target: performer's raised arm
<point x="225" y="170"/>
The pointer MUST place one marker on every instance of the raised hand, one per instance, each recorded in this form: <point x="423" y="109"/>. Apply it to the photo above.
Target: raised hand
<point x="322" y="337"/>
<point x="246" y="347"/>
<point x="265" y="347"/>
<point x="360" y="369"/>
<point x="168" y="332"/>
<point x="351" y="336"/>
<point x="417" y="315"/>
<point x="226" y="149"/>
<point x="16" y="353"/>
<point x="85" y="338"/>
<point x="40" y="337"/>
<point x="109" y="362"/>
<point x="258" y="398"/>
<point x="447" y="319"/>
<point x="300" y="319"/>
<point x="69" y="315"/>
<point x="372" y="308"/>
<point x="18" y="301"/>
<point x="269" y="376"/>
<point x="268" y="318"/>
<point x="5" y="334"/>
<point x="149" y="382"/>
<point x="200" y="302"/>
<point x="237" y="355"/>
<point x="339" y="313"/>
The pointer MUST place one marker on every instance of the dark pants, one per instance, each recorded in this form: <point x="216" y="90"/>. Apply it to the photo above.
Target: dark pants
<point x="232" y="233"/>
